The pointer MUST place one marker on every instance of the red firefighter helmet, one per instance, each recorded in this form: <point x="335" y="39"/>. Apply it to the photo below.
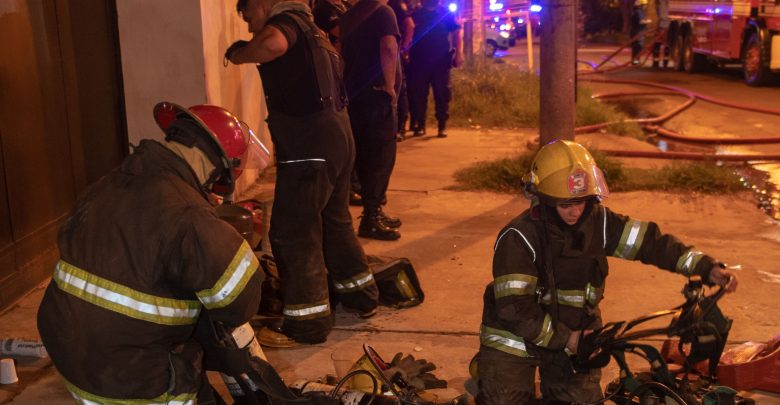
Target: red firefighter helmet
<point x="238" y="146"/>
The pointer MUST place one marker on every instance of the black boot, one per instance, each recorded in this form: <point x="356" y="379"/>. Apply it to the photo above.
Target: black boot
<point x="442" y="127"/>
<point x="372" y="227"/>
<point x="390" y="222"/>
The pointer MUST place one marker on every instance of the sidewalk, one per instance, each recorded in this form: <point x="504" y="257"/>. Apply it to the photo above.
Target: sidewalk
<point x="449" y="236"/>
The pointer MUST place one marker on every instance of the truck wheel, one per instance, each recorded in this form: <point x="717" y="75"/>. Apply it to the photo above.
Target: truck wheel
<point x="756" y="72"/>
<point x="675" y="54"/>
<point x="692" y="62"/>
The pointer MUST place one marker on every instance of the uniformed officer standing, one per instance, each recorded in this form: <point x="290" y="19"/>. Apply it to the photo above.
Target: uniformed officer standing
<point x="371" y="73"/>
<point x="436" y="49"/>
<point x="311" y="227"/>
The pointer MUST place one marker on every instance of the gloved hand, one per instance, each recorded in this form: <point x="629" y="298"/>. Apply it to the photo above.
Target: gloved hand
<point x="234" y="47"/>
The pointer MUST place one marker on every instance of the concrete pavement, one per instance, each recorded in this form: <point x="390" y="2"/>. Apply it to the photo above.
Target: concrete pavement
<point x="449" y="236"/>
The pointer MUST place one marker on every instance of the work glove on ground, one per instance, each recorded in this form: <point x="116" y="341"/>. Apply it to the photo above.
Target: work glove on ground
<point x="416" y="373"/>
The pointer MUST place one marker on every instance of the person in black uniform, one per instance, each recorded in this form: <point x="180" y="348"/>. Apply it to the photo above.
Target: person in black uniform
<point x="369" y="35"/>
<point x="311" y="227"/>
<point x="326" y="15"/>
<point x="406" y="27"/>
<point x="436" y="49"/>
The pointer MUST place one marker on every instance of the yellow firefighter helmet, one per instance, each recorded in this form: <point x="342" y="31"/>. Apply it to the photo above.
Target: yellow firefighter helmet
<point x="564" y="171"/>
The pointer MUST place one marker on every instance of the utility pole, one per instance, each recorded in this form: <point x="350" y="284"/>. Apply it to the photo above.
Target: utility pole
<point x="558" y="65"/>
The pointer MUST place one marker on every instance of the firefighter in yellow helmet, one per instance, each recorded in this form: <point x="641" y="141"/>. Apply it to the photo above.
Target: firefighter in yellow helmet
<point x="549" y="268"/>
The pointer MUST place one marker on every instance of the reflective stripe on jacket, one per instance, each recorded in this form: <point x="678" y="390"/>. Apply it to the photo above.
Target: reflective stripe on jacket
<point x="516" y="303"/>
<point x="142" y="253"/>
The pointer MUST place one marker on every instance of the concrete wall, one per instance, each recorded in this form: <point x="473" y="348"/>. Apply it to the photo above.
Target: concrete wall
<point x="172" y="50"/>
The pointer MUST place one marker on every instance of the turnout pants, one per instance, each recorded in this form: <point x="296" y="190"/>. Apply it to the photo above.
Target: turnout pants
<point x="311" y="227"/>
<point x="373" y="118"/>
<point x="421" y="75"/>
<point x="508" y="379"/>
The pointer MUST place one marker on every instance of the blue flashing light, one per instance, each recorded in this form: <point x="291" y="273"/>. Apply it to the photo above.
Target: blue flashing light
<point x="520" y="20"/>
<point x="453" y="7"/>
<point x="496" y="19"/>
<point x="535" y="8"/>
<point x="496" y="6"/>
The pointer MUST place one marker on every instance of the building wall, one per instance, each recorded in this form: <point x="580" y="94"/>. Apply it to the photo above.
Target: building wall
<point x="173" y="50"/>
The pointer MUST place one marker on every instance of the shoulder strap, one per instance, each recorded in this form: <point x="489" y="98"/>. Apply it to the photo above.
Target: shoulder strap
<point x="326" y="60"/>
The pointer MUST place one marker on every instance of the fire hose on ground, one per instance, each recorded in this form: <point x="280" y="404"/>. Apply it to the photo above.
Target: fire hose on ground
<point x="654" y="125"/>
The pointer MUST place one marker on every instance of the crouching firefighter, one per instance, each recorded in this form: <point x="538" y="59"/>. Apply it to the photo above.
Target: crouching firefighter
<point x="142" y="255"/>
<point x="549" y="272"/>
<point x="311" y="233"/>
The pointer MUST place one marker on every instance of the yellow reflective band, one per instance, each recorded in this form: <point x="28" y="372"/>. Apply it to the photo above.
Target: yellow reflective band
<point x="546" y="333"/>
<point x="232" y="281"/>
<point x="631" y="239"/>
<point x="124" y="300"/>
<point x="576" y="298"/>
<point x="686" y="264"/>
<point x="85" y="398"/>
<point x="404" y="285"/>
<point x="358" y="282"/>
<point x="503" y="341"/>
<point x="514" y="284"/>
<point x="303" y="312"/>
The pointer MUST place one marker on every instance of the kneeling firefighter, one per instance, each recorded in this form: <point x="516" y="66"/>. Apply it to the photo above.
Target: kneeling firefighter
<point x="549" y="272"/>
<point x="144" y="255"/>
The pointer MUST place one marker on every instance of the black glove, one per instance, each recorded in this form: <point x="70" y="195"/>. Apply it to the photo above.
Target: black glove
<point x="427" y="381"/>
<point x="236" y="46"/>
<point x="591" y="352"/>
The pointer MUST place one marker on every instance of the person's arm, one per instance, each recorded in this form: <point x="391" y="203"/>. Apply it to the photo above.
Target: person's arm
<point x="457" y="42"/>
<point x="514" y="288"/>
<point x="266" y="46"/>
<point x="215" y="263"/>
<point x="408" y="30"/>
<point x="632" y="239"/>
<point x="388" y="58"/>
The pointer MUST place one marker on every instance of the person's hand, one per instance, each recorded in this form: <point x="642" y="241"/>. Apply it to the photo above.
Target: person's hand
<point x="233" y="48"/>
<point x="574" y="339"/>
<point x="458" y="60"/>
<point x="724" y="278"/>
<point x="390" y="90"/>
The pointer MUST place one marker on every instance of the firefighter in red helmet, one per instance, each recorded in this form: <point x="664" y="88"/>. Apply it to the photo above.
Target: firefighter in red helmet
<point x="142" y="253"/>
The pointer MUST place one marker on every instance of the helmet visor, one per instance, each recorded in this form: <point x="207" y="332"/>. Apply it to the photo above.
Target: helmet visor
<point x="600" y="183"/>
<point x="256" y="156"/>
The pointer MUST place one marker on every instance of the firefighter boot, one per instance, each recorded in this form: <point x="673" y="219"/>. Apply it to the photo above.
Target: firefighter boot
<point x="390" y="222"/>
<point x="371" y="226"/>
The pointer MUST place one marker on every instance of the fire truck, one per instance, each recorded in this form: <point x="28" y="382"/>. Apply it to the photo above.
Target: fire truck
<point x="703" y="32"/>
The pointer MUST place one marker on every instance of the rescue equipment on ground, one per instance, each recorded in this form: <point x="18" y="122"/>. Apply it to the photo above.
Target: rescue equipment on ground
<point x="698" y="323"/>
<point x="22" y="347"/>
<point x="397" y="281"/>
<point x="748" y="366"/>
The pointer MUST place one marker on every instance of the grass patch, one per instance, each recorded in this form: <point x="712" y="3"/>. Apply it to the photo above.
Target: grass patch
<point x="505" y="176"/>
<point x="499" y="95"/>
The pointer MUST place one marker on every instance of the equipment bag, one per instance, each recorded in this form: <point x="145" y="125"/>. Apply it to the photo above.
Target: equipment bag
<point x="397" y="281"/>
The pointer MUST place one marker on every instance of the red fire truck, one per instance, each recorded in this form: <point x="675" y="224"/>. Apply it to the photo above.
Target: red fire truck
<point x="726" y="31"/>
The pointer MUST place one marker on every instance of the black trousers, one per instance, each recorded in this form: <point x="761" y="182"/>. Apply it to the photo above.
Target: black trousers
<point x="637" y="26"/>
<point x="373" y="118"/>
<point x="403" y="99"/>
<point x="508" y="379"/>
<point x="425" y="74"/>
<point x="311" y="227"/>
